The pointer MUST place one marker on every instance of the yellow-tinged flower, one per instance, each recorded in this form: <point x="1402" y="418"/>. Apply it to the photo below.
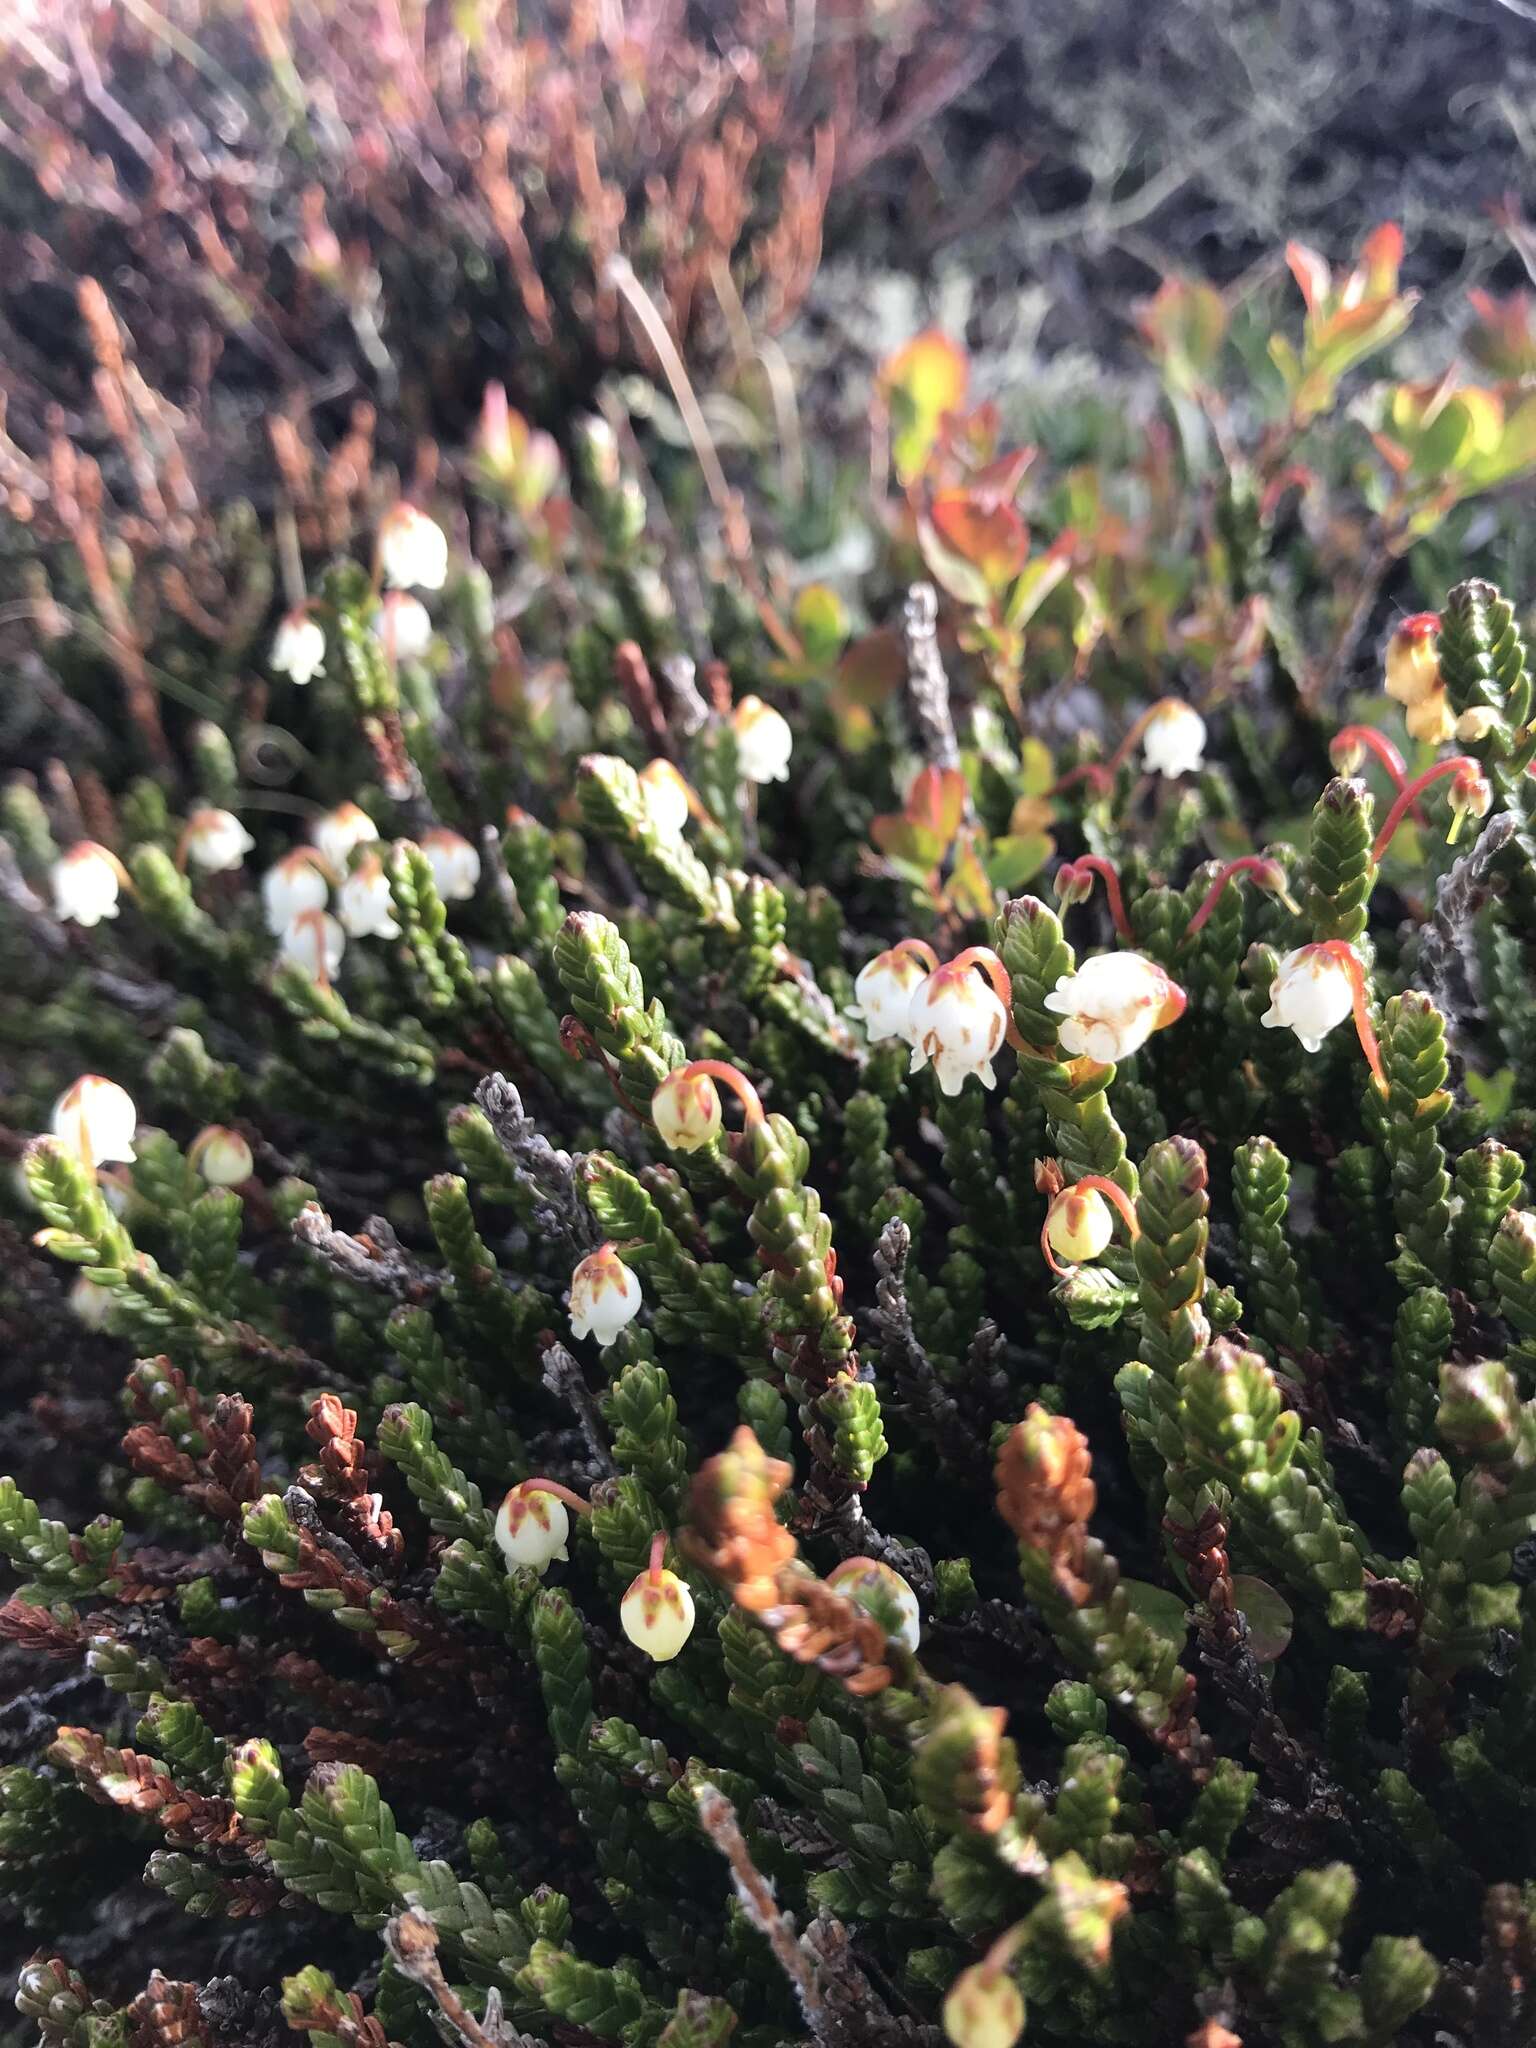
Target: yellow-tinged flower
<point x="686" y="1111"/>
<point x="657" y="1614"/>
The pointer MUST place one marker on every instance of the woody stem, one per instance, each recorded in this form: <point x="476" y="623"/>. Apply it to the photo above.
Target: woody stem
<point x="1456" y="765"/>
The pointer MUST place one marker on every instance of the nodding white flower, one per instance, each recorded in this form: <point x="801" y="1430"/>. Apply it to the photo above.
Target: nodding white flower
<point x="605" y="1296"/>
<point x="1112" y="1005"/>
<point x="1173" y="742"/>
<point x="763" y="741"/>
<point x="532" y="1526"/>
<point x="291" y="886"/>
<point x="882" y="1592"/>
<point x="657" y="1614"/>
<point x="404" y="624"/>
<point x="666" y="797"/>
<point x="221" y="1156"/>
<point x="957" y="1021"/>
<point x="1312" y="993"/>
<point x="96" y="1119"/>
<point x="883" y="993"/>
<point x="298" y="648"/>
<point x="90" y="1302"/>
<point x="454" y="863"/>
<point x="315" y="942"/>
<point x="86" y="883"/>
<point x="1413" y="660"/>
<point x="1476" y="724"/>
<point x="1079" y="1225"/>
<point x="413" y="549"/>
<point x="686" y="1111"/>
<point x="216" y="841"/>
<point x="340" y="832"/>
<point x="984" y="2008"/>
<point x="365" y="902"/>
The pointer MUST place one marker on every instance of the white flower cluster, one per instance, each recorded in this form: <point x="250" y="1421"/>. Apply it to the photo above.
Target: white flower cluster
<point x="950" y="1016"/>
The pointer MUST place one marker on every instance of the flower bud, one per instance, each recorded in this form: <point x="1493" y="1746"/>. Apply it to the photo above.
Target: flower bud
<point x="881" y="1592"/>
<point x="1079" y="1225"/>
<point x="216" y="841"/>
<point x="605" y="1296"/>
<point x="1311" y="994"/>
<point x="657" y="1614"/>
<point x="686" y="1111"/>
<point x="957" y="1021"/>
<point x="365" y="902"/>
<point x="221" y="1156"/>
<point x="1471" y="796"/>
<point x="763" y="741"/>
<point x="883" y="993"/>
<point x="1346" y="752"/>
<point x="314" y="942"/>
<point x="532" y="1526"/>
<point x="454" y="863"/>
<point x="340" y="832"/>
<point x="96" y="1119"/>
<point x="1173" y="741"/>
<point x="298" y="647"/>
<point x="404" y="625"/>
<point x="413" y="549"/>
<point x="1476" y="724"/>
<point x="1112" y="1005"/>
<point x="666" y="797"/>
<point x="86" y="883"/>
<point x="1413" y="659"/>
<point x="984" y="2009"/>
<point x="291" y="886"/>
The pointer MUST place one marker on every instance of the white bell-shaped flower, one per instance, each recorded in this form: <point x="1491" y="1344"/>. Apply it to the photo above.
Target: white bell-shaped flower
<point x="413" y="549"/>
<point x="883" y="993"/>
<point x="340" y="832"/>
<point x="216" y="841"/>
<point x="404" y="624"/>
<point x="666" y="797"/>
<point x="365" y="903"/>
<point x="605" y="1296"/>
<point x="882" y="1592"/>
<point x="96" y="1119"/>
<point x="86" y="883"/>
<point x="1173" y="742"/>
<point x="291" y="886"/>
<point x="657" y="1614"/>
<point x="957" y="1021"/>
<point x="763" y="741"/>
<point x="221" y="1156"/>
<point x="1079" y="1226"/>
<point x="298" y="648"/>
<point x="1112" y="1005"/>
<point x="454" y="862"/>
<point x="532" y="1526"/>
<point x="686" y="1111"/>
<point x="1311" y="995"/>
<point x="315" y="942"/>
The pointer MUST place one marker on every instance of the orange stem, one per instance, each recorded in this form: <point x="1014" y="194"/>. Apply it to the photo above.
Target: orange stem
<point x="1086" y="771"/>
<point x="1117" y="1198"/>
<point x="1096" y="864"/>
<point x="1456" y="765"/>
<point x="1250" y="863"/>
<point x="1002" y="984"/>
<point x="738" y="1084"/>
<point x="572" y="1500"/>
<point x="1365" y="1030"/>
<point x="658" y="1552"/>
<point x="920" y="950"/>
